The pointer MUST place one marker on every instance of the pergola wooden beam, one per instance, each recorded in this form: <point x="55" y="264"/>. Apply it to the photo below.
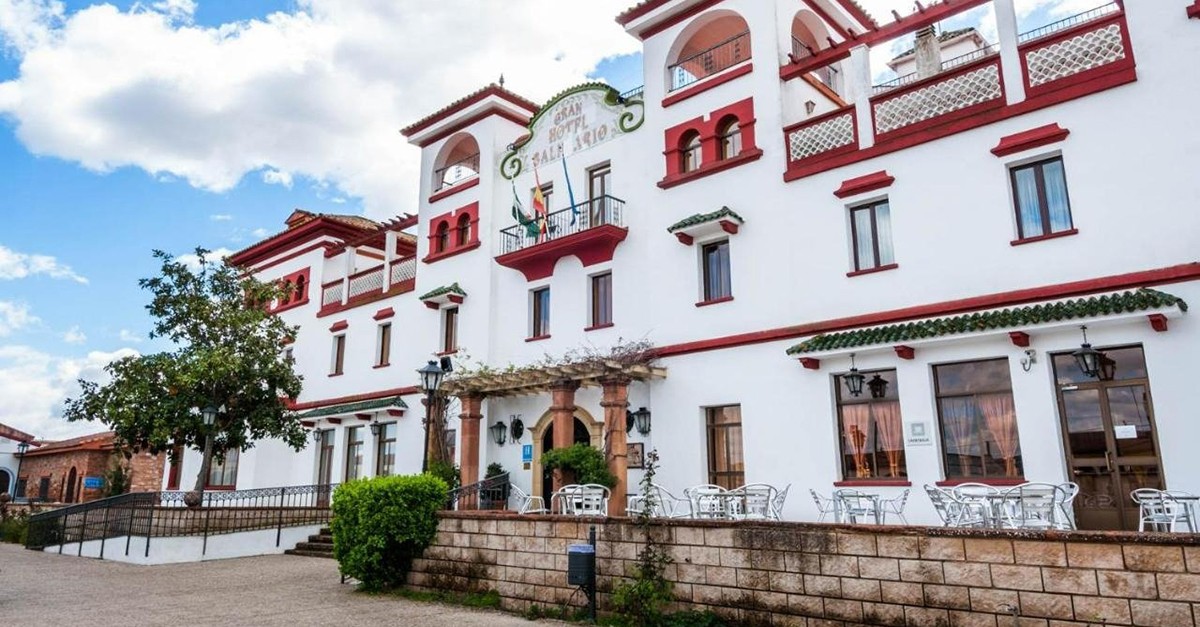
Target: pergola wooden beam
<point x="538" y="380"/>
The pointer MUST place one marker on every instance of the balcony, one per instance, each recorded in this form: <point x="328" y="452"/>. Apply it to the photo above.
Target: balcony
<point x="590" y="231"/>
<point x="712" y="60"/>
<point x="1067" y="59"/>
<point x="368" y="286"/>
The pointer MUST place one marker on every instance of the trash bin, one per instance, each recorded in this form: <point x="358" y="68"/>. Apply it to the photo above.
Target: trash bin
<point x="581" y="564"/>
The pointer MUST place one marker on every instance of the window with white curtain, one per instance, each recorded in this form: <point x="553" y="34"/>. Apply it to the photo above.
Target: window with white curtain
<point x="978" y="420"/>
<point x="1040" y="197"/>
<point x="871" y="234"/>
<point x="870" y="428"/>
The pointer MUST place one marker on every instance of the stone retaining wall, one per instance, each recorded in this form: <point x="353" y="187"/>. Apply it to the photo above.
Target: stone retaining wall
<point x="763" y="573"/>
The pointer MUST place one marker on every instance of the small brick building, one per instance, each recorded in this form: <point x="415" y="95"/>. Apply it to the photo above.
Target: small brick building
<point x="58" y="471"/>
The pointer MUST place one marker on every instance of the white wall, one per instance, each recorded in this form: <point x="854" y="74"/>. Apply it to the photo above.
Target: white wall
<point x="188" y="549"/>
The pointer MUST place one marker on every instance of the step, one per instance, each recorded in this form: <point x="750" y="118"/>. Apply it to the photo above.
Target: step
<point x="315" y="546"/>
<point x="326" y="531"/>
<point x="304" y="553"/>
<point x="323" y="538"/>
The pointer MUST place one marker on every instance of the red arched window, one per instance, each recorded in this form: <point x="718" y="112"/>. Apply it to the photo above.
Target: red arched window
<point x="286" y="297"/>
<point x="690" y="151"/>
<point x="300" y="293"/>
<point x="463" y="230"/>
<point x="441" y="241"/>
<point x="729" y="135"/>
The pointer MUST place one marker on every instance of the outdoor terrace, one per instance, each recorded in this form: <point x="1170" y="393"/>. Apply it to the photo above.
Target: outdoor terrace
<point x="369" y="285"/>
<point x="590" y="230"/>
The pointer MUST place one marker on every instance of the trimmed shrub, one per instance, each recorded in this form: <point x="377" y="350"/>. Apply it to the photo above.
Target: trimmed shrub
<point x="587" y="464"/>
<point x="379" y="525"/>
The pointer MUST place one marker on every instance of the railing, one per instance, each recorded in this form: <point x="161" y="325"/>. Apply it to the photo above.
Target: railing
<point x="452" y="174"/>
<point x="1065" y="23"/>
<point x="708" y="62"/>
<point x="825" y="73"/>
<point x="947" y="65"/>
<point x="491" y="493"/>
<point x="404" y="270"/>
<point x="822" y="134"/>
<point x="937" y="96"/>
<point x="331" y="293"/>
<point x="636" y="92"/>
<point x="165" y="515"/>
<point x="586" y="215"/>
<point x="366" y="281"/>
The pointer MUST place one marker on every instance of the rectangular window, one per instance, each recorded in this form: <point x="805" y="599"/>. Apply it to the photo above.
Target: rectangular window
<point x="1040" y="196"/>
<point x="452" y="444"/>
<point x="176" y="470"/>
<point x="871" y="233"/>
<point x="385" y="451"/>
<point x="450" y="330"/>
<point x="599" y="182"/>
<point x="339" y="354"/>
<point x="222" y="473"/>
<point x="383" y="353"/>
<point x="715" y="258"/>
<point x="541" y="312"/>
<point x="978" y="421"/>
<point x="22" y="484"/>
<point x="870" y="429"/>
<point x="354" y="453"/>
<point x="602" y="300"/>
<point x="725" y="465"/>
<point x="44" y="489"/>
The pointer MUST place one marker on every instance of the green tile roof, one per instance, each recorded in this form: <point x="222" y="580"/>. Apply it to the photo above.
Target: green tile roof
<point x="701" y="218"/>
<point x="354" y="408"/>
<point x="453" y="288"/>
<point x="1123" y="302"/>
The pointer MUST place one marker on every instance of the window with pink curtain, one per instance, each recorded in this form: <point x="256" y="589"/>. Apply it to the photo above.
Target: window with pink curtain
<point x="871" y="430"/>
<point x="978" y="420"/>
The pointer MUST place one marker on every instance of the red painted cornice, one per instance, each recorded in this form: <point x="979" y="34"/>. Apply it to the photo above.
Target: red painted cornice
<point x="312" y="229"/>
<point x="593" y="246"/>
<point x="354" y="398"/>
<point x="1027" y="140"/>
<point x="1194" y="10"/>
<point x="866" y="183"/>
<point x="463" y="103"/>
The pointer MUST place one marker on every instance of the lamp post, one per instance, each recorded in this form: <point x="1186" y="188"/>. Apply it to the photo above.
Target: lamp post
<point x="209" y="417"/>
<point x="431" y="379"/>
<point x="22" y="448"/>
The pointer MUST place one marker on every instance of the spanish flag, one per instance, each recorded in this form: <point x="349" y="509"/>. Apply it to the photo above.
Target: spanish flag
<point x="539" y="208"/>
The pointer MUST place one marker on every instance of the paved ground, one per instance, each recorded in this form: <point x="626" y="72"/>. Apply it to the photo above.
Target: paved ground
<point x="49" y="589"/>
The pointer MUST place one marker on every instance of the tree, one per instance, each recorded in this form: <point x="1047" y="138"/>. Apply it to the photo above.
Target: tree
<point x="227" y="354"/>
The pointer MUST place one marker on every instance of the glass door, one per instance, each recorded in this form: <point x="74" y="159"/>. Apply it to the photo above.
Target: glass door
<point x="1108" y="425"/>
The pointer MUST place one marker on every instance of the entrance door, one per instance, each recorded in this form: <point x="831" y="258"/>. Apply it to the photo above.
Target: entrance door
<point x="325" y="458"/>
<point x="581" y="436"/>
<point x="70" y="488"/>
<point x="1111" y="444"/>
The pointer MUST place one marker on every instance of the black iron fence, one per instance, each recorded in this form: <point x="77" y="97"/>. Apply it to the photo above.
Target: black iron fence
<point x="491" y="493"/>
<point x="452" y="174"/>
<point x="586" y="215"/>
<point x="166" y="514"/>
<point x="705" y="63"/>
<point x="1068" y="22"/>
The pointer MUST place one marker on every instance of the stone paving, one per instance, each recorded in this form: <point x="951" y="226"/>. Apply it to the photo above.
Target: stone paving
<point x="49" y="589"/>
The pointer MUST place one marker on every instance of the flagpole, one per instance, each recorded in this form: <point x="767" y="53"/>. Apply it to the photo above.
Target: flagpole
<point x="570" y="192"/>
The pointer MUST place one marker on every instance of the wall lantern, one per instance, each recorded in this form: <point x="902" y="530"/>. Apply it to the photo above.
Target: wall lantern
<point x="22" y="448"/>
<point x="376" y="428"/>
<point x="317" y="435"/>
<point x="431" y="377"/>
<point x="499" y="430"/>
<point x="1090" y="360"/>
<point x="516" y="427"/>
<point x="854" y="379"/>
<point x="878" y="386"/>
<point x="642" y="418"/>
<point x="1108" y="368"/>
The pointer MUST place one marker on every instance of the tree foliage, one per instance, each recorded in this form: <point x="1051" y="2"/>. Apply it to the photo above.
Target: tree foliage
<point x="226" y="353"/>
<point x="587" y="464"/>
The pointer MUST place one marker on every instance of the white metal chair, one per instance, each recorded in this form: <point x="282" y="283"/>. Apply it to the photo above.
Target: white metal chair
<point x="1031" y="506"/>
<point x="663" y="504"/>
<point x="1066" y="507"/>
<point x="751" y="501"/>
<point x="1162" y="510"/>
<point x="826" y="506"/>
<point x="975" y="503"/>
<point x="894" y="507"/>
<point x="582" y="500"/>
<point x="526" y="504"/>
<point x="708" y="501"/>
<point x="946" y="507"/>
<point x="777" y="502"/>
<point x="856" y="504"/>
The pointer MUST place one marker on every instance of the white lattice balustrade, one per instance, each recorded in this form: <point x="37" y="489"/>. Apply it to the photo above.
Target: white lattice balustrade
<point x="822" y="137"/>
<point x="370" y="282"/>
<point x="1078" y="54"/>
<point x="928" y="102"/>
<point x="404" y="270"/>
<point x="331" y="295"/>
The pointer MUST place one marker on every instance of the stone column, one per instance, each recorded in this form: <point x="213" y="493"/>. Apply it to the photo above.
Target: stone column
<point x="562" y="410"/>
<point x="858" y="84"/>
<point x="615" y="403"/>
<point x="1010" y="56"/>
<point x="468" y="437"/>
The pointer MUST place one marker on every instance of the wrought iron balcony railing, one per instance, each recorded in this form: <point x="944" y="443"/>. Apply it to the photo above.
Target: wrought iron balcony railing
<point x="586" y="215"/>
<point x="452" y="174"/>
<point x="1068" y="22"/>
<point x="705" y="63"/>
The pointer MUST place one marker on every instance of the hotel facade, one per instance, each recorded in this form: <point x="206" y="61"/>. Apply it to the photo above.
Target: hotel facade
<point x="844" y="284"/>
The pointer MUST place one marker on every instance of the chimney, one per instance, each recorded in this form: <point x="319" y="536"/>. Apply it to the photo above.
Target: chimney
<point x="929" y="52"/>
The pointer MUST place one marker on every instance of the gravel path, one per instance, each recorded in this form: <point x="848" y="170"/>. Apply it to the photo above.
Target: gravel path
<point x="49" y="589"/>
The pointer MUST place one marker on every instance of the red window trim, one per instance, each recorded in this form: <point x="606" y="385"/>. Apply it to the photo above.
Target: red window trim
<point x="447" y="353"/>
<point x="454" y="189"/>
<point x="1193" y="11"/>
<point x="384" y="314"/>
<point x="863" y="184"/>
<point x="340" y="325"/>
<point x="872" y="483"/>
<point x="538" y="338"/>
<point x="597" y="327"/>
<point x="451" y="219"/>
<point x="715" y="301"/>
<point x="1041" y="238"/>
<point x="883" y="268"/>
<point x="992" y="481"/>
<point x="709" y="82"/>
<point x="452" y="251"/>
<point x="377" y="366"/>
<point x="1028" y="140"/>
<point x="707" y="169"/>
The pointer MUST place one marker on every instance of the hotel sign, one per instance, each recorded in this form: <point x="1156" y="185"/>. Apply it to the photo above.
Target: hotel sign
<point x="576" y="120"/>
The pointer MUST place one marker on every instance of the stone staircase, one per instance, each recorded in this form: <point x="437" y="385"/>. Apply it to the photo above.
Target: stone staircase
<point x="320" y="545"/>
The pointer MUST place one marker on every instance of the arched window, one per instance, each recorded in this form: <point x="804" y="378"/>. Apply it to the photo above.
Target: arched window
<point x="286" y="296"/>
<point x="300" y="287"/>
<point x="730" y="137"/>
<point x="690" y="152"/>
<point x="711" y="44"/>
<point x="457" y="161"/>
<point x="442" y="237"/>
<point x="464" y="230"/>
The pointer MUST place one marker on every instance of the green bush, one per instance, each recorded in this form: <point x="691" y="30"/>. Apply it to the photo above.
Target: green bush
<point x="14" y="528"/>
<point x="585" y="462"/>
<point x="381" y="524"/>
<point x="447" y="472"/>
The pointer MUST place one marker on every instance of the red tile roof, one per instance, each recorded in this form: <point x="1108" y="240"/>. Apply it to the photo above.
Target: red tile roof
<point x="15" y="434"/>
<point x="303" y="224"/>
<point x="464" y="102"/>
<point x="103" y="441"/>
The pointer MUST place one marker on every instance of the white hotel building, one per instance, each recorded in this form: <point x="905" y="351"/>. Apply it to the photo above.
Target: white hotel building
<point x="767" y="219"/>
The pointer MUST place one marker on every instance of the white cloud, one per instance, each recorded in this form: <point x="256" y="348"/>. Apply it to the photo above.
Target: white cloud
<point x="33" y="386"/>
<point x="220" y="217"/>
<point x="129" y="336"/>
<point x="14" y="317"/>
<point x="260" y="233"/>
<point x="74" y="335"/>
<point x="277" y="177"/>
<point x="192" y="260"/>
<point x="319" y="92"/>
<point x="15" y="265"/>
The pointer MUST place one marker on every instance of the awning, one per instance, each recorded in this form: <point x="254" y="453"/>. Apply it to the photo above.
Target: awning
<point x="390" y="402"/>
<point x="1118" y="305"/>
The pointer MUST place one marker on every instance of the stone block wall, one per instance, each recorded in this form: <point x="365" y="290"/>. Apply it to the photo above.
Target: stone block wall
<point x="145" y="472"/>
<point x="764" y="573"/>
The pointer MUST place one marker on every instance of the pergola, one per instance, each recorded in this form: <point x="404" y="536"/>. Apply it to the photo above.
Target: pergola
<point x="535" y="380"/>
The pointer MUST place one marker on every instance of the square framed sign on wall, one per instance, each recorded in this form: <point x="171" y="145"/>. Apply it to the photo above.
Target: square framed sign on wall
<point x="635" y="455"/>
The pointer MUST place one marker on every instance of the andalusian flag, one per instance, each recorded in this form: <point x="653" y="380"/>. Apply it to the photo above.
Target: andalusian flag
<point x="539" y="208"/>
<point x="522" y="218"/>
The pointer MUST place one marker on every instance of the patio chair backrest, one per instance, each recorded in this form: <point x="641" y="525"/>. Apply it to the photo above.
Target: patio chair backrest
<point x="708" y="501"/>
<point x="777" y="502"/>
<point x="668" y="505"/>
<point x="824" y="504"/>
<point x="944" y="504"/>
<point x="592" y="500"/>
<point x="1032" y="505"/>
<point x="756" y="500"/>
<point x="974" y="490"/>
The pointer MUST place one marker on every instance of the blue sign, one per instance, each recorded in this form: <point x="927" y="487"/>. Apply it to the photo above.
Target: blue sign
<point x="93" y="483"/>
<point x="527" y="453"/>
